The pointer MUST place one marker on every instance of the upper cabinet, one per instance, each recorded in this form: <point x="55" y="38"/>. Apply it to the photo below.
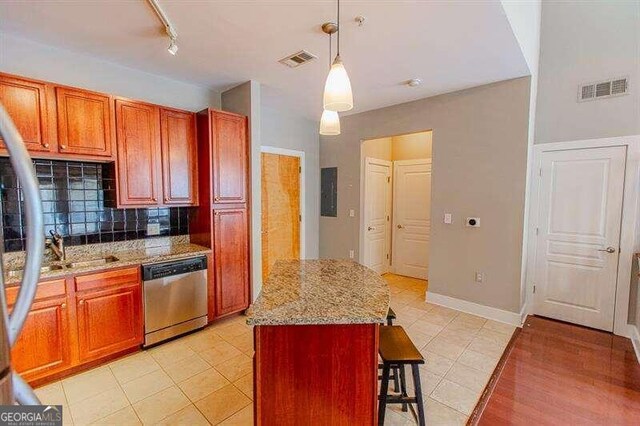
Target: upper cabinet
<point x="138" y="146"/>
<point x="84" y="122"/>
<point x="27" y="104"/>
<point x="229" y="157"/>
<point x="179" y="157"/>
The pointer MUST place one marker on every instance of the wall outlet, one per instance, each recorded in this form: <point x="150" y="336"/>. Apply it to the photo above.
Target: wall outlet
<point x="351" y="254"/>
<point x="352" y="213"/>
<point x="153" y="229"/>
<point x="479" y="277"/>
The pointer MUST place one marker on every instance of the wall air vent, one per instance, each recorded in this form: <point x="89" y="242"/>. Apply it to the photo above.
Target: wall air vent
<point x="297" y="59"/>
<point x="603" y="89"/>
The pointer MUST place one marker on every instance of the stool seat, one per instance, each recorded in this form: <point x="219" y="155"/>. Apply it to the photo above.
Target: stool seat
<point x="396" y="347"/>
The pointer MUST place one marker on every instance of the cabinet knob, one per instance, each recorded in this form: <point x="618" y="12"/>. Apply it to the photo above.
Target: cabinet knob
<point x="63" y="147"/>
<point x="81" y="302"/>
<point x="46" y="145"/>
<point x="216" y="213"/>
<point x="166" y="198"/>
<point x="63" y="306"/>
<point x="216" y="199"/>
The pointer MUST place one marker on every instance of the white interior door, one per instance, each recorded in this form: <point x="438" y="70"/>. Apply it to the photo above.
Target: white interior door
<point x="377" y="211"/>
<point x="411" y="217"/>
<point x="580" y="210"/>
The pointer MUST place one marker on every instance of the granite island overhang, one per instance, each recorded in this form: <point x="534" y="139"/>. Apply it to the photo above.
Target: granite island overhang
<point x="316" y="343"/>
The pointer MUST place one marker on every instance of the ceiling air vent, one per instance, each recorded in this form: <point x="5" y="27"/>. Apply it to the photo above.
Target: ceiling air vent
<point x="297" y="59"/>
<point x="603" y="89"/>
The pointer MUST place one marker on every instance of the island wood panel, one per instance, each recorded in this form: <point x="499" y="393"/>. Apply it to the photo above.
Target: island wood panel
<point x="231" y="260"/>
<point x="138" y="147"/>
<point x="179" y="161"/>
<point x="316" y="374"/>
<point x="280" y="209"/>
<point x="229" y="157"/>
<point x="27" y="103"/>
<point x="85" y="122"/>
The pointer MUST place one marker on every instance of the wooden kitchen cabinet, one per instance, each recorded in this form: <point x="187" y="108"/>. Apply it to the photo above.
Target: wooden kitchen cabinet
<point x="85" y="122"/>
<point x="138" y="149"/>
<point x="179" y="157"/>
<point x="229" y="157"/>
<point x="109" y="313"/>
<point x="43" y="347"/>
<point x="231" y="260"/>
<point x="27" y="103"/>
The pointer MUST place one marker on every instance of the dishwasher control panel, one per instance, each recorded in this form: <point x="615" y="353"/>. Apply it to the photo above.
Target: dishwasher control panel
<point x="174" y="267"/>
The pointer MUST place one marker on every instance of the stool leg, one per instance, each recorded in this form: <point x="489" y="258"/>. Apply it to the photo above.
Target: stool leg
<point x="403" y="385"/>
<point x="382" y="399"/>
<point x="418" y="388"/>
<point x="396" y="379"/>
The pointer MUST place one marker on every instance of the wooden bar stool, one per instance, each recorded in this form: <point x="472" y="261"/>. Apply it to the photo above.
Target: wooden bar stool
<point x="397" y="350"/>
<point x="395" y="370"/>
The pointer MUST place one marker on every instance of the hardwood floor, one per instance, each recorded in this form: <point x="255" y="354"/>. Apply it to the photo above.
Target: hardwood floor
<point x="563" y="373"/>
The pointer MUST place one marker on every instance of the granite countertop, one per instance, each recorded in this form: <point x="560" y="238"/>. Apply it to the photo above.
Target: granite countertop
<point x="128" y="253"/>
<point x="322" y="291"/>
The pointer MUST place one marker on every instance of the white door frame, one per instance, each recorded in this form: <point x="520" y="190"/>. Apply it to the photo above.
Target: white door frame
<point x="365" y="161"/>
<point x="630" y="210"/>
<point x="299" y="154"/>
<point x="395" y="203"/>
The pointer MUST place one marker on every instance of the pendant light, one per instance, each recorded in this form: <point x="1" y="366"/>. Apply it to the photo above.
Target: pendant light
<point x="330" y="120"/>
<point x="337" y="89"/>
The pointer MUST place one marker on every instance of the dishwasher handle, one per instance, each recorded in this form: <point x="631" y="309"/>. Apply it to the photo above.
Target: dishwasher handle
<point x="174" y="267"/>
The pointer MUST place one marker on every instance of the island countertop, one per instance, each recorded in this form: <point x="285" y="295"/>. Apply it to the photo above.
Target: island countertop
<point x="325" y="291"/>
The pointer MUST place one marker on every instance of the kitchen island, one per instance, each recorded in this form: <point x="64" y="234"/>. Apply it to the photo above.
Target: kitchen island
<point x="316" y="343"/>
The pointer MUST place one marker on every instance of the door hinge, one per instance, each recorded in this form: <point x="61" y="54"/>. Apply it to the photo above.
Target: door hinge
<point x="387" y="256"/>
<point x="300" y="217"/>
<point x="534" y="289"/>
<point x="388" y="179"/>
<point x="537" y="231"/>
<point x="540" y="172"/>
<point x="299" y="169"/>
<point x="387" y="218"/>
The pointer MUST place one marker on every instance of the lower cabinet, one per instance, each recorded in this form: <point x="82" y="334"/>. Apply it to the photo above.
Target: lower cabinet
<point x="110" y="317"/>
<point x="79" y="320"/>
<point x="43" y="347"/>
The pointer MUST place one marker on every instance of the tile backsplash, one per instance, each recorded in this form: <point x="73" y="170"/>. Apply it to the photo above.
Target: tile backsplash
<point x="77" y="200"/>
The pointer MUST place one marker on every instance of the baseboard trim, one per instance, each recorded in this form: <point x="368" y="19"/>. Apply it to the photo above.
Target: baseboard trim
<point x="507" y="317"/>
<point x="635" y="341"/>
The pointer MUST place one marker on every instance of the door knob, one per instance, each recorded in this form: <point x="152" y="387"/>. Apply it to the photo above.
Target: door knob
<point x="370" y="228"/>
<point x="608" y="250"/>
<point x="400" y="226"/>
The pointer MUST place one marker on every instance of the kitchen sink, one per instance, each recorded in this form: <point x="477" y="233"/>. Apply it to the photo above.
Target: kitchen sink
<point x="92" y="262"/>
<point x="47" y="268"/>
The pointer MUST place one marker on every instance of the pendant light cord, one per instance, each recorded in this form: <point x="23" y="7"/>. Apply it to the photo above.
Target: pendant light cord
<point x="330" y="57"/>
<point x="338" y="28"/>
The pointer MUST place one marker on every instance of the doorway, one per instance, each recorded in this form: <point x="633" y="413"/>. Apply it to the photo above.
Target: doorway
<point x="580" y="205"/>
<point x="396" y="204"/>
<point x="282" y="193"/>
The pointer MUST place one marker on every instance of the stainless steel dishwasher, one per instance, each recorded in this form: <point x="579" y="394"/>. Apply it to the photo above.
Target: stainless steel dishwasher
<point x="175" y="298"/>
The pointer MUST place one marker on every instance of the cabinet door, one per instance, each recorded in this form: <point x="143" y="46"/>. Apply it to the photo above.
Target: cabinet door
<point x="109" y="320"/>
<point x="138" y="147"/>
<point x="84" y="122"/>
<point x="231" y="258"/>
<point x="26" y="104"/>
<point x="43" y="347"/>
<point x="230" y="163"/>
<point x="179" y="162"/>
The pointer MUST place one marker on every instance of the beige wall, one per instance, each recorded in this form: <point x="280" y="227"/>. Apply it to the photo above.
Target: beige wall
<point x="377" y="148"/>
<point x="479" y="167"/>
<point x="583" y="42"/>
<point x="413" y="146"/>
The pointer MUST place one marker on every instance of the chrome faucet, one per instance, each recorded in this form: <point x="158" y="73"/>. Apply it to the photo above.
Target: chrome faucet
<point x="56" y="244"/>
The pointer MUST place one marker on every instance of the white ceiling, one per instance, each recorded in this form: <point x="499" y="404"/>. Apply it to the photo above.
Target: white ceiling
<point x="449" y="45"/>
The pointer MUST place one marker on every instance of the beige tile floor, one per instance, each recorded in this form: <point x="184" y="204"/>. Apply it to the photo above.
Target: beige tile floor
<point x="206" y="377"/>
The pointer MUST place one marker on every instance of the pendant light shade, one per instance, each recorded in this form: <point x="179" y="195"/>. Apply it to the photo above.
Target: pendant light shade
<point x="337" y="89"/>
<point x="329" y="123"/>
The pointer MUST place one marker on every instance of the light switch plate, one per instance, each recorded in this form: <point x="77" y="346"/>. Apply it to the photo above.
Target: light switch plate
<point x="352" y="213"/>
<point x="351" y="254"/>
<point x="447" y="218"/>
<point x="153" y="229"/>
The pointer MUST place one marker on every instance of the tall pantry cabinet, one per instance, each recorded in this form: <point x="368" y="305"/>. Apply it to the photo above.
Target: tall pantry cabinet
<point x="221" y="221"/>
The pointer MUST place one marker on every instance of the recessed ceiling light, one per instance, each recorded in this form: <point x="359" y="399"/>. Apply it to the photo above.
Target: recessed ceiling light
<point x="414" y="82"/>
